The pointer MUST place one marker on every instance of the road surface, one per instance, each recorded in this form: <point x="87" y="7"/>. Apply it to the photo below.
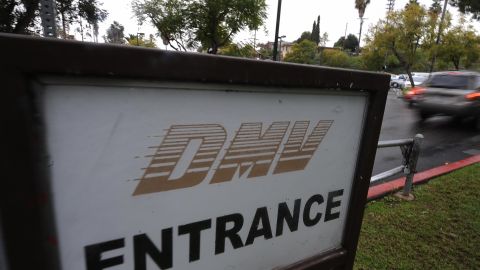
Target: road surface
<point x="445" y="140"/>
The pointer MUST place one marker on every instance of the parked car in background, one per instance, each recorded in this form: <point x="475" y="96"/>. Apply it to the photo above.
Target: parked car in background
<point x="402" y="81"/>
<point x="398" y="81"/>
<point x="449" y="93"/>
<point x="418" y="78"/>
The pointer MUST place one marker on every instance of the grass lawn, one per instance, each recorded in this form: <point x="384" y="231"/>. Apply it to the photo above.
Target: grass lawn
<point x="440" y="229"/>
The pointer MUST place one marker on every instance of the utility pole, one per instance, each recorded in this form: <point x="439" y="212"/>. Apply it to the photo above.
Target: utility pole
<point x="434" y="58"/>
<point x="390" y="6"/>
<point x="345" y="35"/>
<point x="275" y="42"/>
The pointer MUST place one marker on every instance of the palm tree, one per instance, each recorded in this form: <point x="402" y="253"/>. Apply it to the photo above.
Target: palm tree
<point x="361" y="5"/>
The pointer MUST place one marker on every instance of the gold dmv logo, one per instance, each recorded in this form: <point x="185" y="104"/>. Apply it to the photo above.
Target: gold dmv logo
<point x="249" y="149"/>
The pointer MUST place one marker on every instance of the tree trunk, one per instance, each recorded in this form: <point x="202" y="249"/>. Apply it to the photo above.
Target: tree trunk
<point x="409" y="73"/>
<point x="81" y="28"/>
<point x="456" y="63"/>
<point x="360" y="33"/>
<point x="213" y="49"/>
<point x="64" y="26"/>
<point x="437" y="41"/>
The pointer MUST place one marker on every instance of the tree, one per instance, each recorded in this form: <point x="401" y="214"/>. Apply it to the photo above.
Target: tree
<point x="361" y="6"/>
<point x="350" y="44"/>
<point x="115" y="33"/>
<point x="335" y="58"/>
<point x="468" y="6"/>
<point x="139" y="40"/>
<point x="18" y="16"/>
<point x="265" y="51"/>
<point x="401" y="37"/>
<point x="316" y="31"/>
<point x="90" y="11"/>
<point x="435" y="8"/>
<point x="303" y="52"/>
<point x="22" y="16"/>
<point x="171" y="18"/>
<point x="238" y="50"/>
<point x="460" y="44"/>
<point x="67" y="13"/>
<point x="313" y="32"/>
<point x="305" y="35"/>
<point x="435" y="26"/>
<point x="209" y="24"/>
<point x="324" y="39"/>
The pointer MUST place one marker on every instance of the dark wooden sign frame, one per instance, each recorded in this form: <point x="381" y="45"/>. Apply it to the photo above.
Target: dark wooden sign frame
<point x="26" y="215"/>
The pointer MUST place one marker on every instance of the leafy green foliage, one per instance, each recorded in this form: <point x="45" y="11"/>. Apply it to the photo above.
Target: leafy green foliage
<point x="23" y="16"/>
<point x="323" y="39"/>
<point x="115" y="33"/>
<point x="90" y="11"/>
<point x="468" y="6"/>
<point x="67" y="14"/>
<point x="18" y="16"/>
<point x="335" y="58"/>
<point x="237" y="50"/>
<point x="401" y="36"/>
<point x="139" y="40"/>
<point x="303" y="52"/>
<point x="170" y="17"/>
<point x="361" y="6"/>
<point x="350" y="44"/>
<point x="460" y="44"/>
<point x="316" y="31"/>
<point x="265" y="51"/>
<point x="305" y="35"/>
<point x="209" y="24"/>
<point x="410" y="36"/>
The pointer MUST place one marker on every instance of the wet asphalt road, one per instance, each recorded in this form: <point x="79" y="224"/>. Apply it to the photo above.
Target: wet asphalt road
<point x="445" y="140"/>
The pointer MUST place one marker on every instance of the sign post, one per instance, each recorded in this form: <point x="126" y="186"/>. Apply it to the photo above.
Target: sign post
<point x="129" y="158"/>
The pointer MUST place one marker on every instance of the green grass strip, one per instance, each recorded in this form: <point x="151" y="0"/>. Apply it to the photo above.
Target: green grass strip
<point x="440" y="229"/>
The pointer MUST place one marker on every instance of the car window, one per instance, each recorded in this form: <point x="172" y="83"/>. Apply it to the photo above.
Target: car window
<point x="419" y="78"/>
<point x="449" y="81"/>
<point x="477" y="82"/>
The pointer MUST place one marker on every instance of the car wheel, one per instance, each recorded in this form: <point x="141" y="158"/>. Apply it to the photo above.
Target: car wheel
<point x="423" y="115"/>
<point x="476" y="123"/>
<point x="395" y="85"/>
<point x="457" y="119"/>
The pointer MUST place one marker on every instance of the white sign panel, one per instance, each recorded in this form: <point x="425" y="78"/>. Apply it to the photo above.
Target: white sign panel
<point x="182" y="177"/>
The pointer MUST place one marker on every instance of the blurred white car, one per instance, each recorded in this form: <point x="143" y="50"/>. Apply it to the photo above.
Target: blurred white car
<point x="398" y="81"/>
<point x="418" y="78"/>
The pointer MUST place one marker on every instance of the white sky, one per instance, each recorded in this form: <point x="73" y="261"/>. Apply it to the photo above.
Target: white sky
<point x="296" y="17"/>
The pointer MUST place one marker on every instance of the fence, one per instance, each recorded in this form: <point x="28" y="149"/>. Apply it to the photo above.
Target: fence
<point x="410" y="151"/>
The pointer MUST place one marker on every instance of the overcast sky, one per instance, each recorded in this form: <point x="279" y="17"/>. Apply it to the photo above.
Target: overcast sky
<point x="296" y="16"/>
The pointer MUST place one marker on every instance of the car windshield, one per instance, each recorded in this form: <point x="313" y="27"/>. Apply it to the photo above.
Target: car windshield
<point x="419" y="78"/>
<point x="449" y="81"/>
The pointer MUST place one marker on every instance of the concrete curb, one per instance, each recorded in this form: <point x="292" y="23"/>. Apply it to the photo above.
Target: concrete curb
<point x="383" y="189"/>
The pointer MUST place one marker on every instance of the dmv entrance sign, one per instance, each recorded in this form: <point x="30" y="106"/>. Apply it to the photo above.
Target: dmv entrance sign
<point x="189" y="161"/>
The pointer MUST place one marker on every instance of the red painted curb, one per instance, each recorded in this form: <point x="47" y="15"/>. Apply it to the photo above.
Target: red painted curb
<point x="394" y="185"/>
